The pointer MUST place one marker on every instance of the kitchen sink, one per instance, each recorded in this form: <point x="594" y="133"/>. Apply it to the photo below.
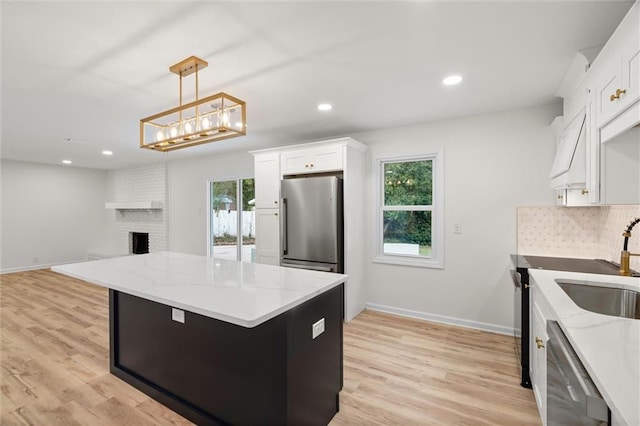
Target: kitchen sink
<point x="596" y="298"/>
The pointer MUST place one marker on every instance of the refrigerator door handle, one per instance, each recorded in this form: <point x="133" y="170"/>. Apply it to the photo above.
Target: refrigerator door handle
<point x="311" y="267"/>
<point x="284" y="227"/>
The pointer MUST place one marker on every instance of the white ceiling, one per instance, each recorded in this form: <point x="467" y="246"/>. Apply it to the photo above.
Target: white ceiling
<point x="89" y="71"/>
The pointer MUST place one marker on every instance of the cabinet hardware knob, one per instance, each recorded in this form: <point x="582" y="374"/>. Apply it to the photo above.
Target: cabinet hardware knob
<point x="617" y="94"/>
<point x="527" y="286"/>
<point x="539" y="342"/>
<point x="584" y="191"/>
<point x="559" y="197"/>
<point x="275" y="202"/>
<point x="306" y="165"/>
<point x="275" y="214"/>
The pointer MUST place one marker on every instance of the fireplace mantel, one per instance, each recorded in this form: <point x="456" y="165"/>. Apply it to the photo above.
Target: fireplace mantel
<point x="134" y="205"/>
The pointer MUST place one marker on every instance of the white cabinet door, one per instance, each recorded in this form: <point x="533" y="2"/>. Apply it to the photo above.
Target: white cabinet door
<point x="267" y="180"/>
<point x="539" y="344"/>
<point x="313" y="160"/>
<point x="631" y="70"/>
<point x="268" y="236"/>
<point x="618" y="83"/>
<point x="606" y="85"/>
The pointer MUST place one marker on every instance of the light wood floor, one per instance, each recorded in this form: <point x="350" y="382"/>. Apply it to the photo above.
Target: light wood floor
<point x="54" y="340"/>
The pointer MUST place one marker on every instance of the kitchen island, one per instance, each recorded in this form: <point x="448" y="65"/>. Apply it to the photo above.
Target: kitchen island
<point x="224" y="342"/>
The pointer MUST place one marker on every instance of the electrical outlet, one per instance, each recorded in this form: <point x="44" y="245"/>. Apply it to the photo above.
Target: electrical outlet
<point x="177" y="315"/>
<point x="457" y="228"/>
<point x="317" y="328"/>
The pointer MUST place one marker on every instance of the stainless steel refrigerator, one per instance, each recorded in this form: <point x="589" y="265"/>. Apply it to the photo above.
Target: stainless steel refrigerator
<point x="312" y="223"/>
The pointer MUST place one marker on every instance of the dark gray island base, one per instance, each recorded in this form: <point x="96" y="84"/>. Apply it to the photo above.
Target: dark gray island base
<point x="217" y="373"/>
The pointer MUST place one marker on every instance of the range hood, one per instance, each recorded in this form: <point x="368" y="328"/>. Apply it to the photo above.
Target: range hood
<point x="134" y="205"/>
<point x="569" y="166"/>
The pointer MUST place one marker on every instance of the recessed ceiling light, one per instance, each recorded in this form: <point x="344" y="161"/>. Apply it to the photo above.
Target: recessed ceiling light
<point x="324" y="107"/>
<point x="105" y="152"/>
<point x="66" y="161"/>
<point x="451" y="80"/>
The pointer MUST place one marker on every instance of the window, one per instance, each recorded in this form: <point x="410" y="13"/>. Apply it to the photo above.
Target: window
<point x="409" y="214"/>
<point x="231" y="214"/>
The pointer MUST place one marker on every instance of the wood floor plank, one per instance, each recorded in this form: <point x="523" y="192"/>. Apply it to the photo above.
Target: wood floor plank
<point x="54" y="359"/>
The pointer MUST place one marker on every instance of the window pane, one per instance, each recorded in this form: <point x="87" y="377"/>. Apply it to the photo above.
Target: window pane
<point x="248" y="221"/>
<point x="407" y="233"/>
<point x="224" y="220"/>
<point x="408" y="183"/>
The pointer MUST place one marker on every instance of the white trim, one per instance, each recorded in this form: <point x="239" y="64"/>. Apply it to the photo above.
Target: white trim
<point x="345" y="141"/>
<point x="493" y="328"/>
<point x="436" y="260"/>
<point x="408" y="260"/>
<point x="208" y="207"/>
<point x="39" y="266"/>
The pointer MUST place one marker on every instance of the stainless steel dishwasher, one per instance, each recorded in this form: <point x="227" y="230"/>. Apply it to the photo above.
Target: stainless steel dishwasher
<point x="572" y="397"/>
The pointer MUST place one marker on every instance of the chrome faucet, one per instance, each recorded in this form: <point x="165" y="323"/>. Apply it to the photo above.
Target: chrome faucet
<point x="625" y="255"/>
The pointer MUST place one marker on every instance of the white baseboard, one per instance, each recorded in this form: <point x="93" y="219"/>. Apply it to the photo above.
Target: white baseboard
<point x="441" y="319"/>
<point x="36" y="267"/>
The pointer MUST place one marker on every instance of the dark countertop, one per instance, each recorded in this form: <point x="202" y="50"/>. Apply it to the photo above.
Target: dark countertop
<point x="568" y="264"/>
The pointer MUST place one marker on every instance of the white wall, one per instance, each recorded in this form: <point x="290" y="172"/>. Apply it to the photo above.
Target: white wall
<point x="188" y="196"/>
<point x="493" y="163"/>
<point x="50" y="214"/>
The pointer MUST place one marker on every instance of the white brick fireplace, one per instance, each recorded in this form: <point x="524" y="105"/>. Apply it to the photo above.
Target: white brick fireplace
<point x="140" y="184"/>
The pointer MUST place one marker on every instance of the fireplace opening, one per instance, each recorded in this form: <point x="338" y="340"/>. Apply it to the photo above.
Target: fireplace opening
<point x="139" y="242"/>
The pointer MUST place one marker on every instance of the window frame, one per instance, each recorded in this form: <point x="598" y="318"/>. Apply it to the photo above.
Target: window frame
<point x="436" y="260"/>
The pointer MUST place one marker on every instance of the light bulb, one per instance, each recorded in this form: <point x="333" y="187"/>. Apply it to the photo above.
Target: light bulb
<point x="187" y="127"/>
<point x="174" y="131"/>
<point x="225" y="119"/>
<point x="206" y="123"/>
<point x="159" y="136"/>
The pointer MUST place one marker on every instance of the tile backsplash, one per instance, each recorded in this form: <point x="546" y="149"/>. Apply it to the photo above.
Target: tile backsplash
<point x="586" y="232"/>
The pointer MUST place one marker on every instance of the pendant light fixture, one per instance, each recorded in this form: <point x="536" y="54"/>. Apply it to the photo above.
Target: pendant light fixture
<point x="216" y="117"/>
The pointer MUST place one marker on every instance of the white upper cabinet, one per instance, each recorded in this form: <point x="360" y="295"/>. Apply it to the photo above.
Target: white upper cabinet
<point x="569" y="166"/>
<point x="616" y="71"/>
<point x="572" y="169"/>
<point x="313" y="159"/>
<point x="267" y="180"/>
<point x="606" y="99"/>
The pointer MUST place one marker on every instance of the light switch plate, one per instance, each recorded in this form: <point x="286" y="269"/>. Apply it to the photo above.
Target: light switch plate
<point x="177" y="315"/>
<point x="317" y="328"/>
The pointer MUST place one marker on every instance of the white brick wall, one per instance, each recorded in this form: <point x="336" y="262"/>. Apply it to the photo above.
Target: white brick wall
<point x="149" y="183"/>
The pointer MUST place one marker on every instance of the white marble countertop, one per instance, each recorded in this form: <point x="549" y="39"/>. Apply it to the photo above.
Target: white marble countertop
<point x="609" y="347"/>
<point x="241" y="293"/>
